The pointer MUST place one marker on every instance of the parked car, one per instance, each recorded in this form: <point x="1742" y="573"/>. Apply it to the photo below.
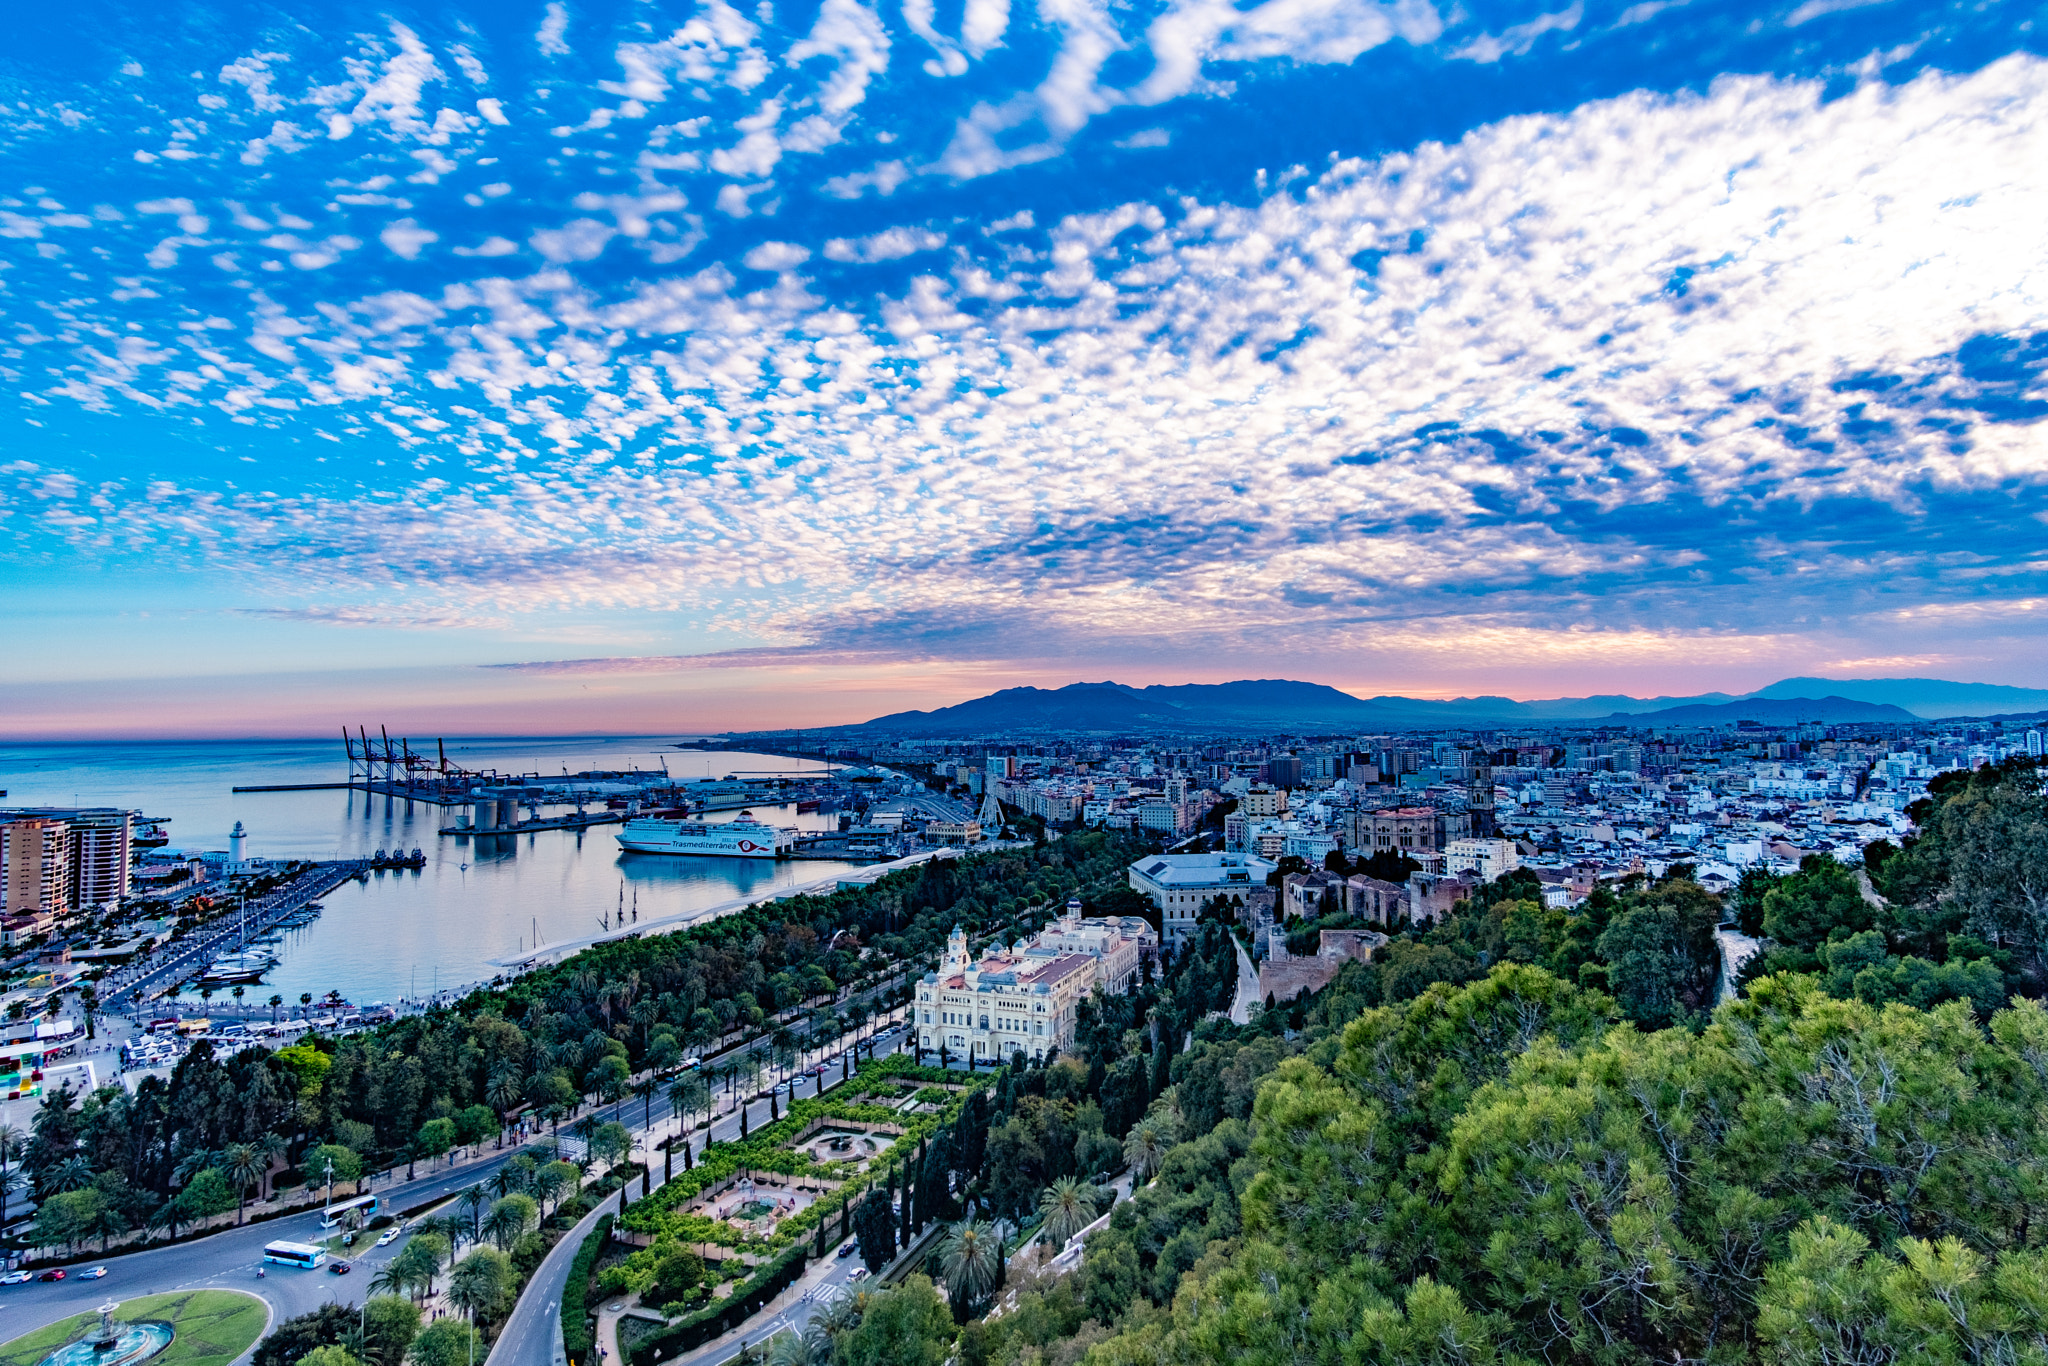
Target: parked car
<point x="338" y="1268"/>
<point x="55" y="1273"/>
<point x="17" y="1277"/>
<point x="93" y="1274"/>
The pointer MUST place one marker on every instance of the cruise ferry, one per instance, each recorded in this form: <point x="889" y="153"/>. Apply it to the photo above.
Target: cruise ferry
<point x="741" y="838"/>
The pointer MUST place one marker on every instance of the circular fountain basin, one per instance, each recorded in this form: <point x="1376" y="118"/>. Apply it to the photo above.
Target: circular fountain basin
<point x="135" y="1342"/>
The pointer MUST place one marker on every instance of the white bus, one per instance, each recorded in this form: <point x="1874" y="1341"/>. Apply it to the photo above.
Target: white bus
<point x="295" y="1254"/>
<point x="364" y="1205"/>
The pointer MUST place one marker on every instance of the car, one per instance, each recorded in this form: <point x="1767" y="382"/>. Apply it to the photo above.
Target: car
<point x="338" y="1268"/>
<point x="55" y="1273"/>
<point x="17" y="1277"/>
<point x="93" y="1274"/>
<point x="847" y="1250"/>
<point x="387" y="1237"/>
<point x="819" y="1070"/>
<point x="860" y="1273"/>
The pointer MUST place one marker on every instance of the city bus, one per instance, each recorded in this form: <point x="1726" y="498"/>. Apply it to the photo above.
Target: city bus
<point x="364" y="1205"/>
<point x="295" y="1254"/>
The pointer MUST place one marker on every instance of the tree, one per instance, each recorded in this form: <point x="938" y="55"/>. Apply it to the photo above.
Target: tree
<point x="874" y="1224"/>
<point x="207" y="1194"/>
<point x="906" y="1326"/>
<point x="1145" y="1146"/>
<point x="971" y="1258"/>
<point x="329" y="1356"/>
<point x="66" y="1217"/>
<point x="1068" y="1206"/>
<point x="290" y="1340"/>
<point x="554" y="1181"/>
<point x="687" y="1095"/>
<point x="479" y="1282"/>
<point x="436" y="1137"/>
<point x="245" y="1165"/>
<point x="389" y="1324"/>
<point x="346" y="1166"/>
<point x="511" y="1216"/>
<point x="1803" y="910"/>
<point x="447" y="1342"/>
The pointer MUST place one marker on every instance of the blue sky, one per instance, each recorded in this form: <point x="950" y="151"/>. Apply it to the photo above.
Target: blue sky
<point x="765" y="364"/>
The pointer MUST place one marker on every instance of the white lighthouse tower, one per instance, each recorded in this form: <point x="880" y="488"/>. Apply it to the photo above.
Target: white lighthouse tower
<point x="238" y="848"/>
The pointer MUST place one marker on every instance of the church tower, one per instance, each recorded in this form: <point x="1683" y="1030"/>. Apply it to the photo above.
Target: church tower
<point x="1479" y="796"/>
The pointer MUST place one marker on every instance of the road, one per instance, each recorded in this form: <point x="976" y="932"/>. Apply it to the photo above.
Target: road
<point x="231" y="1257"/>
<point x="1247" y="987"/>
<point x="228" y="1259"/>
<point x="532" y="1335"/>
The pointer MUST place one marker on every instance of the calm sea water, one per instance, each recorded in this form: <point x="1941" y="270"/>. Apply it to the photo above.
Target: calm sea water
<point x="405" y="934"/>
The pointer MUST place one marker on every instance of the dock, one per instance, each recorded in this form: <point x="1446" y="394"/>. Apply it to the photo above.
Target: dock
<point x="571" y="822"/>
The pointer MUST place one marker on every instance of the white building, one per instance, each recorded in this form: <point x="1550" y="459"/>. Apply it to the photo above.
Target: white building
<point x="1027" y="997"/>
<point x="1489" y="858"/>
<point x="1179" y="883"/>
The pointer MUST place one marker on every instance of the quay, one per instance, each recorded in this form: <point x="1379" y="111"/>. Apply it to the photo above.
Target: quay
<point x="179" y="959"/>
<point x="578" y="821"/>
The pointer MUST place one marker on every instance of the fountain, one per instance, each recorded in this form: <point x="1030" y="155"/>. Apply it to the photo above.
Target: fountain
<point x="113" y="1344"/>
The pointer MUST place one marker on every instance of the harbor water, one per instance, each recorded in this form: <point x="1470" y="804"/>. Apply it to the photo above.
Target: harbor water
<point x="408" y="934"/>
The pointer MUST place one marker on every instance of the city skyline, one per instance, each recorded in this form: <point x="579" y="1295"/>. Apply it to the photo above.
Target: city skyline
<point x="580" y="368"/>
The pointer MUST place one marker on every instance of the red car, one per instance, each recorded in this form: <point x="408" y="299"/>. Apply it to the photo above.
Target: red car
<point x="55" y="1273"/>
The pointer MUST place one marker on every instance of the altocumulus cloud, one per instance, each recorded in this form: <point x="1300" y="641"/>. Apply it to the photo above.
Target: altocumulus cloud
<point x="774" y="322"/>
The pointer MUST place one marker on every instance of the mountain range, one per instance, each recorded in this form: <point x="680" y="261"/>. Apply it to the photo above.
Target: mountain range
<point x="1291" y="705"/>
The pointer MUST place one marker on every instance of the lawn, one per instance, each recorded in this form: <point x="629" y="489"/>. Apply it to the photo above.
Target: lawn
<point x="212" y="1328"/>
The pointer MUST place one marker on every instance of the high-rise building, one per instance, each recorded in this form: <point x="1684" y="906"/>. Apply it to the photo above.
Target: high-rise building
<point x="1283" y="771"/>
<point x="57" y="859"/>
<point x="2034" y="744"/>
<point x="38" y="865"/>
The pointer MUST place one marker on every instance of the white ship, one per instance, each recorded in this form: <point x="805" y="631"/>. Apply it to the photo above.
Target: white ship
<point x="741" y="838"/>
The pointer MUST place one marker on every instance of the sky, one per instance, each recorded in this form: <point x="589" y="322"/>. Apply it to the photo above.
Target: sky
<point x="557" y="367"/>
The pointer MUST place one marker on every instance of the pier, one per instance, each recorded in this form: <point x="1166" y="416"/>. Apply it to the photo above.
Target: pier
<point x="581" y="820"/>
<point x="179" y="959"/>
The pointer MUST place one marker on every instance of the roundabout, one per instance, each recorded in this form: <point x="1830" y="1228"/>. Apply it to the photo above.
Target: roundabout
<point x="184" y="1328"/>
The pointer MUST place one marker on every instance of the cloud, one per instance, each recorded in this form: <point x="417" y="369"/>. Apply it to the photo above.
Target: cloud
<point x="887" y="245"/>
<point x="580" y="239"/>
<point x="777" y="256"/>
<point x="404" y="238"/>
<point x="554" y="23"/>
<point x="1698" y="369"/>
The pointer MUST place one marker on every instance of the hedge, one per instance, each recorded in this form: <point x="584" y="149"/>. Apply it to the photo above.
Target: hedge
<point x="715" y="1320"/>
<point x="577" y="1338"/>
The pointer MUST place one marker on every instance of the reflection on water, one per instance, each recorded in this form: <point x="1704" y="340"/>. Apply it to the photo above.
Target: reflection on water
<point x="409" y="932"/>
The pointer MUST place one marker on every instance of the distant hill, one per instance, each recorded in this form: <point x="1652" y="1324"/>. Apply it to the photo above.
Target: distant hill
<point x="1280" y="704"/>
<point x="1772" y="711"/>
<point x="1931" y="699"/>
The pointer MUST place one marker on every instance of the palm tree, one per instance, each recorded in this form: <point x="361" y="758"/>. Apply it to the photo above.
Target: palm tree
<point x="11" y="1142"/>
<point x="275" y="1001"/>
<point x="476" y="1284"/>
<point x="472" y="1202"/>
<point x="390" y="1281"/>
<point x="72" y="1174"/>
<point x="1068" y="1206"/>
<point x="245" y="1165"/>
<point x="273" y="1147"/>
<point x="505" y="1090"/>
<point x="1145" y="1146"/>
<point x="504" y="1224"/>
<point x="972" y="1259"/>
<point x="686" y="1096"/>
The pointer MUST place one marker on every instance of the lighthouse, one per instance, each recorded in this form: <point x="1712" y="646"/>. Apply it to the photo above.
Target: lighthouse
<point x="238" y="848"/>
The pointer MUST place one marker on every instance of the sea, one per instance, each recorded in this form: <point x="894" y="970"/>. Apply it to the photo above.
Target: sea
<point x="414" y="934"/>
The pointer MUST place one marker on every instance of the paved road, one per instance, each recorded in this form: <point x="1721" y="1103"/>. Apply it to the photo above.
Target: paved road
<point x="532" y="1335"/>
<point x="1248" y="997"/>
<point x="228" y="1259"/>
